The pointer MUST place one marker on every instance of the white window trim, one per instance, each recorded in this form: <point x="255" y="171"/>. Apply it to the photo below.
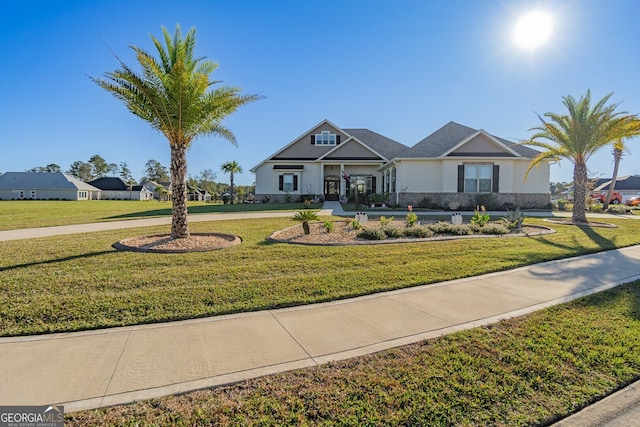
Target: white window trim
<point x="330" y="138"/>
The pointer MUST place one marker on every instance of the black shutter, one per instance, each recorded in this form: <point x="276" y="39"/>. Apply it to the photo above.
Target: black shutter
<point x="295" y="182"/>
<point x="460" y="178"/>
<point x="496" y="178"/>
<point x="373" y="184"/>
<point x="337" y="139"/>
<point x="280" y="182"/>
<point x="313" y="140"/>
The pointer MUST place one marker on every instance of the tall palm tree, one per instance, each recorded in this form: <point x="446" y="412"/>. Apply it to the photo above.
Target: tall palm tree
<point x="172" y="93"/>
<point x="617" y="151"/>
<point x="231" y="168"/>
<point x="577" y="135"/>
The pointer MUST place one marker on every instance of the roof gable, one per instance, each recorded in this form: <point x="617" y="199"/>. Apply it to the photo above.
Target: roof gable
<point x="303" y="148"/>
<point x="454" y="136"/>
<point x="624" y="183"/>
<point x="481" y="144"/>
<point x="352" y="149"/>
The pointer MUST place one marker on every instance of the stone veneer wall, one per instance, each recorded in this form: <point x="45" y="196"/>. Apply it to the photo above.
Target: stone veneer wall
<point x="492" y="201"/>
<point x="280" y="197"/>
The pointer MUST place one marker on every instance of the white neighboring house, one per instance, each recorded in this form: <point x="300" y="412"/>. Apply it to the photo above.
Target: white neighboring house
<point x="45" y="186"/>
<point x="114" y="188"/>
<point x="454" y="166"/>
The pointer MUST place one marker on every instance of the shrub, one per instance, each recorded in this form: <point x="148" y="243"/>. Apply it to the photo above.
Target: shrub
<point x="479" y="217"/>
<point x="392" y="232"/>
<point x="372" y="234"/>
<point x="596" y="207"/>
<point x="355" y="224"/>
<point x="495" y="228"/>
<point x="513" y="219"/>
<point x="385" y="221"/>
<point x="447" y="228"/>
<point x="329" y="225"/>
<point x="418" y="232"/>
<point x="411" y="219"/>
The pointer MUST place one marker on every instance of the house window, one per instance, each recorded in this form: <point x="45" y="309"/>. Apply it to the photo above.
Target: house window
<point x="478" y="178"/>
<point x="32" y="194"/>
<point x="82" y="195"/>
<point x="361" y="184"/>
<point x="393" y="180"/>
<point x="325" y="138"/>
<point x="21" y="194"/>
<point x="288" y="182"/>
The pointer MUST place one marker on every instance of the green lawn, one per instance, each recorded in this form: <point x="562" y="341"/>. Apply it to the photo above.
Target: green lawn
<point x="28" y="214"/>
<point x="527" y="371"/>
<point x="79" y="282"/>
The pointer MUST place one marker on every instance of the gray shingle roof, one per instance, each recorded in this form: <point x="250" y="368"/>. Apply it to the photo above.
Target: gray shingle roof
<point x="448" y="136"/>
<point x="42" y="181"/>
<point x="381" y="144"/>
<point x="623" y="183"/>
<point x="108" y="183"/>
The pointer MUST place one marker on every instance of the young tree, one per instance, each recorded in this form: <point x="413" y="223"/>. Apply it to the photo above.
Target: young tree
<point x="231" y="168"/>
<point x="173" y="95"/>
<point x="125" y="172"/>
<point x="578" y="134"/>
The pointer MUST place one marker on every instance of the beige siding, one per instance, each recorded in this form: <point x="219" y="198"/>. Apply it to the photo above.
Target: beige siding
<point x="351" y="149"/>
<point x="480" y="144"/>
<point x="302" y="148"/>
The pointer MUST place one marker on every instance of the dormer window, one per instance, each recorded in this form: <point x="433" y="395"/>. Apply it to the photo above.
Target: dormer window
<point x="325" y="138"/>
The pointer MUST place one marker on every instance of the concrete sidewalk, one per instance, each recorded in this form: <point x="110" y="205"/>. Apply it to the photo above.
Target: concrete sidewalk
<point x="105" y="367"/>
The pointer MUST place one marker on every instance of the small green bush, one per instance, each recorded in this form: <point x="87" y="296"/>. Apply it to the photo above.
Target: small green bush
<point x="385" y="221"/>
<point x="411" y="219"/>
<point x="418" y="232"/>
<point x="596" y="207"/>
<point x="392" y="232"/>
<point x="448" y="228"/>
<point x="372" y="234"/>
<point x="329" y="225"/>
<point x="355" y="224"/>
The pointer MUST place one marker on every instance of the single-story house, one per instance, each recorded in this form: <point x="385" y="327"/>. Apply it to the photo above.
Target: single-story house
<point x="454" y="166"/>
<point x="626" y="185"/>
<point x="198" y="194"/>
<point x="156" y="188"/>
<point x="114" y="188"/>
<point x="326" y="161"/>
<point x="45" y="186"/>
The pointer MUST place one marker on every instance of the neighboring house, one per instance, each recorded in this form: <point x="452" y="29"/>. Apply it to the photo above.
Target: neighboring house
<point x="45" y="186"/>
<point x="198" y="195"/>
<point x="626" y="185"/>
<point x="154" y="186"/>
<point x="454" y="165"/>
<point x="327" y="162"/>
<point x="113" y="188"/>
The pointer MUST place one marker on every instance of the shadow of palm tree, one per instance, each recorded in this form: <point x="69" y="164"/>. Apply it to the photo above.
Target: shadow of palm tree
<point x="56" y="260"/>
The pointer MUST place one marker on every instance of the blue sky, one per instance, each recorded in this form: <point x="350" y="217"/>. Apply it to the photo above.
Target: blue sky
<point x="402" y="68"/>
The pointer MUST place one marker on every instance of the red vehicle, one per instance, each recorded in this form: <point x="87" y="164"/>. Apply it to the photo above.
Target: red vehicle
<point x="633" y="201"/>
<point x="616" y="198"/>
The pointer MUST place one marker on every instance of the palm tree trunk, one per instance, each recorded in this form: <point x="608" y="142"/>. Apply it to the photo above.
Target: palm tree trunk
<point x="232" y="195"/>
<point x="579" y="192"/>
<point x="617" y="156"/>
<point x="179" y="225"/>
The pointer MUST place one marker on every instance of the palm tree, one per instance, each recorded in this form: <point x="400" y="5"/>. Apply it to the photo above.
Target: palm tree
<point x="231" y="168"/>
<point x="172" y="94"/>
<point x="617" y="151"/>
<point x="304" y="217"/>
<point x="577" y="135"/>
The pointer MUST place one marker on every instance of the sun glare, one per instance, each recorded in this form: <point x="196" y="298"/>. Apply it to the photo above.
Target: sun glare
<point x="533" y="30"/>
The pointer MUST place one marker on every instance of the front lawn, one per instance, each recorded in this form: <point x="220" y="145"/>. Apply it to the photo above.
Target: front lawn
<point x="79" y="282"/>
<point x="18" y="214"/>
<point x="527" y="371"/>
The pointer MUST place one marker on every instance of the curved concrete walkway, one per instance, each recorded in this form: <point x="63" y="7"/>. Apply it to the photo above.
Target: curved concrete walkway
<point x="90" y="369"/>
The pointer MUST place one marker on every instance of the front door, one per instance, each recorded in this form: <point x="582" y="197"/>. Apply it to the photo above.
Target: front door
<point x="332" y="189"/>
